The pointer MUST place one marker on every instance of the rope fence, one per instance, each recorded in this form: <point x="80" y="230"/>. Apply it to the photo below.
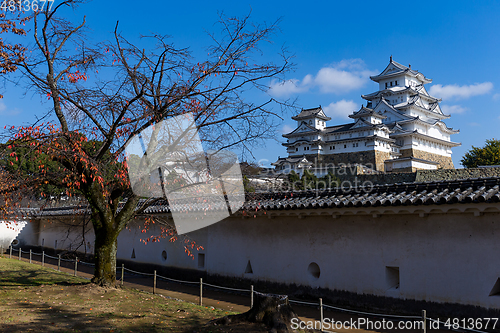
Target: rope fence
<point x="121" y="272"/>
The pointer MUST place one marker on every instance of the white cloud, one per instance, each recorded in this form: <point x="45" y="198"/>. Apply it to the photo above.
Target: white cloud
<point x="453" y="109"/>
<point x="340" y="109"/>
<point x="496" y="96"/>
<point x="342" y="77"/>
<point x="473" y="124"/>
<point x="286" y="129"/>
<point x="460" y="92"/>
<point x="286" y="88"/>
<point x="4" y="111"/>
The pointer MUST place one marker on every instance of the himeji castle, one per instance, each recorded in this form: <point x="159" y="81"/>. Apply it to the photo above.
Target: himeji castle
<point x="401" y="129"/>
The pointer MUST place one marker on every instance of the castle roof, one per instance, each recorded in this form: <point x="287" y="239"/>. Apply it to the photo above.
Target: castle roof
<point x="366" y="112"/>
<point x="396" y="69"/>
<point x="387" y="91"/>
<point x="311" y="113"/>
<point x="303" y="129"/>
<point x="292" y="160"/>
<point x="411" y="158"/>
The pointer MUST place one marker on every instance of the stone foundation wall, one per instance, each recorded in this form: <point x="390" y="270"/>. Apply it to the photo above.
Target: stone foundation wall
<point x="380" y="157"/>
<point x="422" y="176"/>
<point x="445" y="162"/>
<point x="371" y="159"/>
<point x="375" y="159"/>
<point x="454" y="174"/>
<point x="364" y="157"/>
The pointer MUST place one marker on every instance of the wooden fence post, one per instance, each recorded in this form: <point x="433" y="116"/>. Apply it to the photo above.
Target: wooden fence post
<point x="321" y="313"/>
<point x="251" y="296"/>
<point x="154" y="282"/>
<point x="201" y="291"/>
<point x="76" y="265"/>
<point x="424" y="321"/>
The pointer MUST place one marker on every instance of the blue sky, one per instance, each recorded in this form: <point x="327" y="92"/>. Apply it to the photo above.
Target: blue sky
<point x="337" y="45"/>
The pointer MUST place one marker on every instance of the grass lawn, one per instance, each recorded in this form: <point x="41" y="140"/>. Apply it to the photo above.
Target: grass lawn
<point x="38" y="299"/>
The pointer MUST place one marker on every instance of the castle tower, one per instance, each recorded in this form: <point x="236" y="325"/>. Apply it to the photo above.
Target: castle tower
<point x="414" y="117"/>
<point x="401" y="128"/>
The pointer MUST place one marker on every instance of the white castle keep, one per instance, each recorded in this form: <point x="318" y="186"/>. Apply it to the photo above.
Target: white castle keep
<point x="401" y="128"/>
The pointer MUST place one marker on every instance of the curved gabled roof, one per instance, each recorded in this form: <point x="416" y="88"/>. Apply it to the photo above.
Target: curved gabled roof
<point x="311" y="113"/>
<point x="296" y="131"/>
<point x="396" y="69"/>
<point x="390" y="107"/>
<point x="433" y="109"/>
<point x="387" y="91"/>
<point x="366" y="112"/>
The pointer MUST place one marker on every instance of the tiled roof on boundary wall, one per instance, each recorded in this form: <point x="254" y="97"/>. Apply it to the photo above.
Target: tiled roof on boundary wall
<point x="428" y="193"/>
<point x="477" y="190"/>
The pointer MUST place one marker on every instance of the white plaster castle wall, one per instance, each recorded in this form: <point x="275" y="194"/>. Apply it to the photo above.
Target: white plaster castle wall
<point x="424" y="166"/>
<point x="441" y="257"/>
<point x="436" y="132"/>
<point x="9" y="231"/>
<point x="151" y="252"/>
<point x="431" y="147"/>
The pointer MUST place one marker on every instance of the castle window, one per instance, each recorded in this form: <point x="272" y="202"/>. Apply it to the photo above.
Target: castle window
<point x="396" y="83"/>
<point x="345" y="146"/>
<point x="296" y="149"/>
<point x="386" y="85"/>
<point x="391" y="83"/>
<point x="392" y="277"/>
<point x="201" y="260"/>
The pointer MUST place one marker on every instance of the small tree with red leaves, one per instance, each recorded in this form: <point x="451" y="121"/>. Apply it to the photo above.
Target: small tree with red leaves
<point x="103" y="94"/>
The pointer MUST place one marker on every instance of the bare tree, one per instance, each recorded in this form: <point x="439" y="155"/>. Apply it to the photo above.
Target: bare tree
<point x="103" y="94"/>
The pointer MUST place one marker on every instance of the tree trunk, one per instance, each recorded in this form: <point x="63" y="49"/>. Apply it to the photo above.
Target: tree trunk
<point x="272" y="310"/>
<point x="105" y="257"/>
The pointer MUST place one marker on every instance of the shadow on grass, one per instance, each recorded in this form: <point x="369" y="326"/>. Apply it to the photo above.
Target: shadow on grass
<point x="37" y="277"/>
<point x="47" y="318"/>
